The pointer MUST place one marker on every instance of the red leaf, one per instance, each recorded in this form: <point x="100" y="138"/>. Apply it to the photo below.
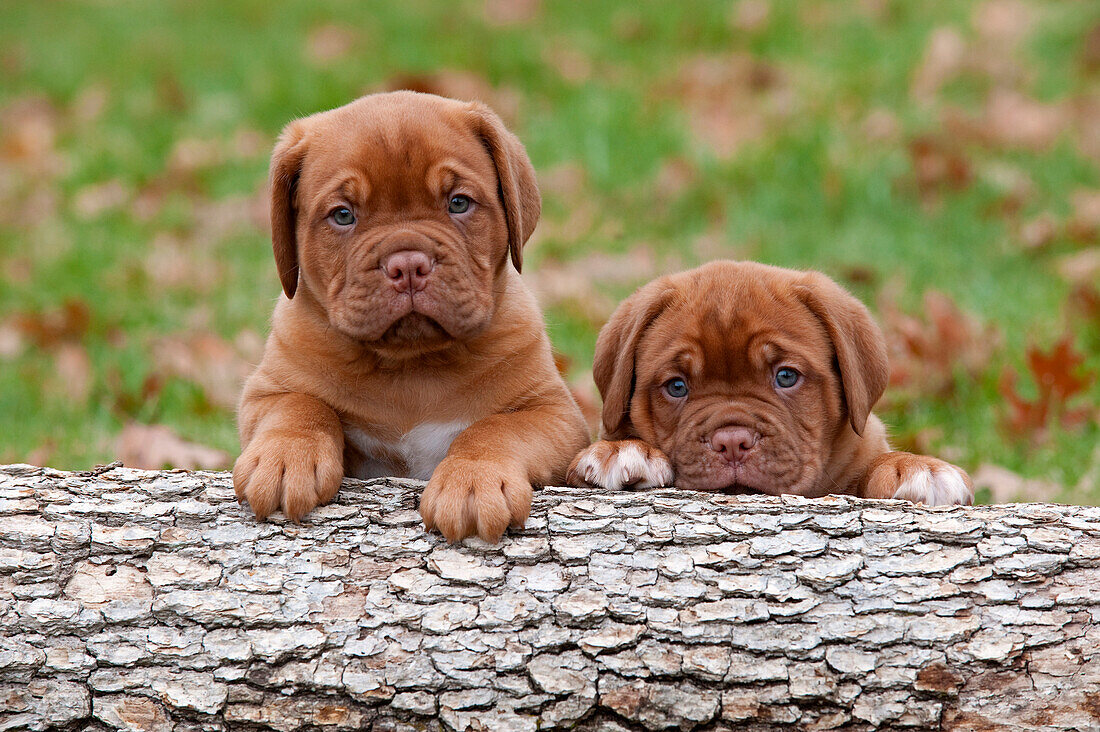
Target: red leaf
<point x="1058" y="379"/>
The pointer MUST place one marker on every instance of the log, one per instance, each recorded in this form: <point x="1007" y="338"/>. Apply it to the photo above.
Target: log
<point x="153" y="601"/>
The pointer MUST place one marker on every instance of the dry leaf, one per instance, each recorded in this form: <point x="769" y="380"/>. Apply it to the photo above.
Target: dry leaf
<point x="751" y="16"/>
<point x="462" y="85"/>
<point x="938" y="165"/>
<point x="731" y="100"/>
<point x="73" y="369"/>
<point x="943" y="59"/>
<point x="328" y="43"/>
<point x="1084" y="225"/>
<point x="156" y="447"/>
<point x="1057" y="380"/>
<point x="1009" y="487"/>
<point x="1011" y="120"/>
<point x="208" y="361"/>
<point x="1005" y="23"/>
<point x="927" y="354"/>
<point x="1082" y="268"/>
<point x="93" y="200"/>
<point x="511" y="12"/>
<point x="46" y="329"/>
<point x="28" y="136"/>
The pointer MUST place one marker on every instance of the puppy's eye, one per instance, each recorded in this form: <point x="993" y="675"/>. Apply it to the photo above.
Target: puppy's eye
<point x="459" y="204"/>
<point x="786" y="377"/>
<point x="343" y="216"/>
<point x="676" y="388"/>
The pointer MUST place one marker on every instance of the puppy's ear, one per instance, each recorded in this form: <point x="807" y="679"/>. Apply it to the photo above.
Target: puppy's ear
<point x="859" y="344"/>
<point x="613" y="368"/>
<point x="286" y="164"/>
<point x="518" y="190"/>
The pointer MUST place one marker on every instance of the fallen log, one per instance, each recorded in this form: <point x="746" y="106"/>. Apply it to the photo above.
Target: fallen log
<point x="152" y="601"/>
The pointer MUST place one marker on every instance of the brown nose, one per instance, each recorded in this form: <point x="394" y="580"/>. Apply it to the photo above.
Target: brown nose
<point x="408" y="270"/>
<point x="733" y="443"/>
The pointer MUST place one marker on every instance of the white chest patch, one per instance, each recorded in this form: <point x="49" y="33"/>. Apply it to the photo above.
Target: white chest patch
<point x="422" y="448"/>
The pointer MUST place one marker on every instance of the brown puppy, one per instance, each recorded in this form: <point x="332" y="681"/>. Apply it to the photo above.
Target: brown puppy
<point x="406" y="343"/>
<point x="741" y="377"/>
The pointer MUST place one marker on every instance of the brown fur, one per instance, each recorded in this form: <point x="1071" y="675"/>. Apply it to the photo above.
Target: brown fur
<point x="353" y="366"/>
<point x="726" y="328"/>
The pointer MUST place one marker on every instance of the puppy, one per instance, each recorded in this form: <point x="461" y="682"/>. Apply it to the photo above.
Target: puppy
<point x="405" y="343"/>
<point x="740" y="377"/>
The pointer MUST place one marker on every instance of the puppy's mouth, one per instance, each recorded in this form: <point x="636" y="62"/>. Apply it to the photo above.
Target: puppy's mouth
<point x="414" y="328"/>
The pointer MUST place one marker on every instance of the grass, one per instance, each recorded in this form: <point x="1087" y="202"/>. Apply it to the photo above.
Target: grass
<point x="815" y="191"/>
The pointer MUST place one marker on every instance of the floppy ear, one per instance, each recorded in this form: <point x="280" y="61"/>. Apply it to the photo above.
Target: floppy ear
<point x="613" y="368"/>
<point x="518" y="190"/>
<point x="286" y="164"/>
<point x="860" y="346"/>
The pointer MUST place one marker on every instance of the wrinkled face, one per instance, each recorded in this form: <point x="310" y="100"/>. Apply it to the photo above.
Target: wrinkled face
<point x="736" y="383"/>
<point x="400" y="230"/>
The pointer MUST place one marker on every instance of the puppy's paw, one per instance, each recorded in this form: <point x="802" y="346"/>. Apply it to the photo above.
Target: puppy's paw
<point x="466" y="497"/>
<point x="292" y="471"/>
<point x="620" y="464"/>
<point x="920" y="479"/>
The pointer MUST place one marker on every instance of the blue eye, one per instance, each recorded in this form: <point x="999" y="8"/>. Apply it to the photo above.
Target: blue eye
<point x="459" y="204"/>
<point x="343" y="216"/>
<point x="676" y="388"/>
<point x="786" y="377"/>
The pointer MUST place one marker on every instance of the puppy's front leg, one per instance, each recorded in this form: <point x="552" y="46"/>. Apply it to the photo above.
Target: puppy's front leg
<point x="293" y="454"/>
<point x="616" y="464"/>
<point x="916" y="478"/>
<point x="484" y="484"/>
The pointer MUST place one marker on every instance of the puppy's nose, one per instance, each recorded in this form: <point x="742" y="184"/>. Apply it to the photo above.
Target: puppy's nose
<point x="733" y="443"/>
<point x="408" y="270"/>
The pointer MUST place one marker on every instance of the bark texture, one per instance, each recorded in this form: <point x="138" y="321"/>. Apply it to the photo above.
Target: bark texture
<point x="152" y="601"/>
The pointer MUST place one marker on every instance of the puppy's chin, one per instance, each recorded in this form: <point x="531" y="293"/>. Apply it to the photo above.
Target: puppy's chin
<point x="736" y="480"/>
<point x="416" y="332"/>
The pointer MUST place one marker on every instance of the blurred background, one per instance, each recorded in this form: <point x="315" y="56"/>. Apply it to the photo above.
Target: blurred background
<point x="942" y="160"/>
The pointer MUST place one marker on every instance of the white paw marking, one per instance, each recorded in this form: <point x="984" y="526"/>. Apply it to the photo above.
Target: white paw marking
<point x="627" y="466"/>
<point x="422" y="448"/>
<point x="940" y="487"/>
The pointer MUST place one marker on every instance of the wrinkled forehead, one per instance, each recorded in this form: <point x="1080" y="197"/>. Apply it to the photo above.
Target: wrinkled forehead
<point x="722" y="332"/>
<point x="394" y="144"/>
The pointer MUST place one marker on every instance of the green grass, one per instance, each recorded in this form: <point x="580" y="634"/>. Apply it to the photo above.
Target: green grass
<point x="815" y="191"/>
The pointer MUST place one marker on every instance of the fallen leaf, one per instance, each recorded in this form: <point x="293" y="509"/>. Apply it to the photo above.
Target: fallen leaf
<point x="48" y="328"/>
<point x="1005" y="23"/>
<point x="28" y="136"/>
<point x="1005" y="486"/>
<point x="1039" y="232"/>
<point x="881" y="125"/>
<point x="1090" y="51"/>
<point x="928" y="354"/>
<point x="731" y="100"/>
<point x="938" y="165"/>
<point x="751" y="16"/>
<point x="462" y="85"/>
<point x="1081" y="267"/>
<point x="329" y="43"/>
<point x="580" y="285"/>
<point x="1057" y="380"/>
<point x="206" y="360"/>
<point x="96" y="199"/>
<point x="1084" y="224"/>
<point x="1012" y="120"/>
<point x="73" y="369"/>
<point x="943" y="59"/>
<point x="511" y="12"/>
<point x="156" y="447"/>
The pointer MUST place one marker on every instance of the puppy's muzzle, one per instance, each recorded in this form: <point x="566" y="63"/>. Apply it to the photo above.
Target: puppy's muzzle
<point x="408" y="270"/>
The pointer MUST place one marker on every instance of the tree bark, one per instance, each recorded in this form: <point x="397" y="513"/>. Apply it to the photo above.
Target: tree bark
<point x="152" y="601"/>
